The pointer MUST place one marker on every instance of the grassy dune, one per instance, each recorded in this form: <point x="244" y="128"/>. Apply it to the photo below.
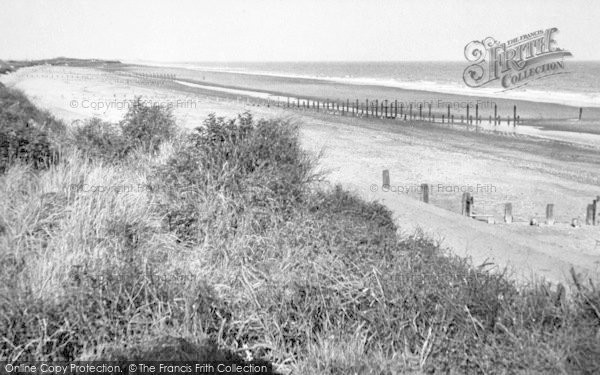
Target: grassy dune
<point x="144" y="241"/>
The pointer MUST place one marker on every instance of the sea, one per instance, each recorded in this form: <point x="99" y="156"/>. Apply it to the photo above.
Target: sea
<point x="579" y="85"/>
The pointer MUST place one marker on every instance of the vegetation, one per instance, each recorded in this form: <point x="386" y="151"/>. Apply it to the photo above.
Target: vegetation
<point x="27" y="135"/>
<point x="227" y="236"/>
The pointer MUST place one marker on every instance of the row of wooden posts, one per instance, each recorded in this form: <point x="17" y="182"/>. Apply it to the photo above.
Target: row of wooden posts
<point x="468" y="204"/>
<point x="385" y="109"/>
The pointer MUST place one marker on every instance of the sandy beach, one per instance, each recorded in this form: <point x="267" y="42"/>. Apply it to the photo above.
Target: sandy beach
<point x="529" y="168"/>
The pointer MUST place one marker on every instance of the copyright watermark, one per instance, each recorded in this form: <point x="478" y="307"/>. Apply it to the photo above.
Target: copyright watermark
<point x="434" y="188"/>
<point x="121" y="104"/>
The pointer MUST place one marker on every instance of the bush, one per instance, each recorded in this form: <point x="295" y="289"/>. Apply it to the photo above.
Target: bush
<point x="255" y="166"/>
<point x="99" y="140"/>
<point x="27" y="135"/>
<point x="148" y="126"/>
<point x="25" y="144"/>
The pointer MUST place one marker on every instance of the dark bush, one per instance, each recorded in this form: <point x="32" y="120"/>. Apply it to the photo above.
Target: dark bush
<point x="147" y="126"/>
<point x="27" y="135"/>
<point x="100" y="140"/>
<point x="27" y="145"/>
<point x="256" y="165"/>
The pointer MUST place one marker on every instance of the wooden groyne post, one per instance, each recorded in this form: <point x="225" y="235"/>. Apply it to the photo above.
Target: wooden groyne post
<point x="425" y="189"/>
<point x="580" y="113"/>
<point x="589" y="217"/>
<point x="386" y="178"/>
<point x="596" y="211"/>
<point x="467" y="204"/>
<point x="550" y="214"/>
<point x="495" y="114"/>
<point x="508" y="216"/>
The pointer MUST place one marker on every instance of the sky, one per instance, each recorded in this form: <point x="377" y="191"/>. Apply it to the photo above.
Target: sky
<point x="278" y="30"/>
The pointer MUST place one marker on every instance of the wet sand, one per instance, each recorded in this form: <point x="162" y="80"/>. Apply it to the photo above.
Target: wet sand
<point x="335" y="91"/>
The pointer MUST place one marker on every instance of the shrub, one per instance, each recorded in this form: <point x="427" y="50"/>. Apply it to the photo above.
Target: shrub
<point x="27" y="135"/>
<point x="25" y="144"/>
<point x="147" y="126"/>
<point x="258" y="168"/>
<point x="100" y="140"/>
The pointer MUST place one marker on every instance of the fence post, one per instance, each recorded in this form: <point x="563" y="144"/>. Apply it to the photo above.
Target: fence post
<point x="515" y="115"/>
<point x="550" y="214"/>
<point x="376" y="107"/>
<point x="442" y="119"/>
<point x="467" y="113"/>
<point x="386" y="178"/>
<point x="589" y="215"/>
<point x="495" y="113"/>
<point x="429" y="110"/>
<point x="580" y="113"/>
<point x="467" y="204"/>
<point x="425" y="188"/>
<point x="448" y="111"/>
<point x="395" y="109"/>
<point x="411" y="116"/>
<point x="386" y="108"/>
<point x="508" y="216"/>
<point x="367" y="107"/>
<point x="596" y="211"/>
<point x="476" y="113"/>
<point x="356" y="110"/>
<point x="420" y="111"/>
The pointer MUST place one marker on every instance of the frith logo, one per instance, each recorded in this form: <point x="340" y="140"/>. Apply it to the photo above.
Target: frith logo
<point x="516" y="62"/>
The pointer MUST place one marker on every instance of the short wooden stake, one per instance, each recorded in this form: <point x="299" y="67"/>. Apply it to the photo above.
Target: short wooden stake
<point x="386" y="178"/>
<point x="467" y="204"/>
<point x="508" y="216"/>
<point x="589" y="217"/>
<point x="580" y="113"/>
<point x="550" y="214"/>
<point x="495" y="113"/>
<point x="425" y="188"/>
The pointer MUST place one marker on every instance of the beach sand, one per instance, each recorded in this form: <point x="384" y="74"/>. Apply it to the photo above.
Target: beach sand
<point x="528" y="170"/>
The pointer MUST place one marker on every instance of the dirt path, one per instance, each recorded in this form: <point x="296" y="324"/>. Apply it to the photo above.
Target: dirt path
<point x="527" y="171"/>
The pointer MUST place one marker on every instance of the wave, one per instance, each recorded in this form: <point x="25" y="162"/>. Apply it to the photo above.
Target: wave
<point x="570" y="98"/>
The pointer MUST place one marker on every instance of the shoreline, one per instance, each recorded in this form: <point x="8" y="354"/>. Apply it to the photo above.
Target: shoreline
<point x="575" y="99"/>
<point x="529" y="112"/>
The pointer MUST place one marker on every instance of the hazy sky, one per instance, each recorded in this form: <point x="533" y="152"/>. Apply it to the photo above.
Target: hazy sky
<point x="277" y="30"/>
